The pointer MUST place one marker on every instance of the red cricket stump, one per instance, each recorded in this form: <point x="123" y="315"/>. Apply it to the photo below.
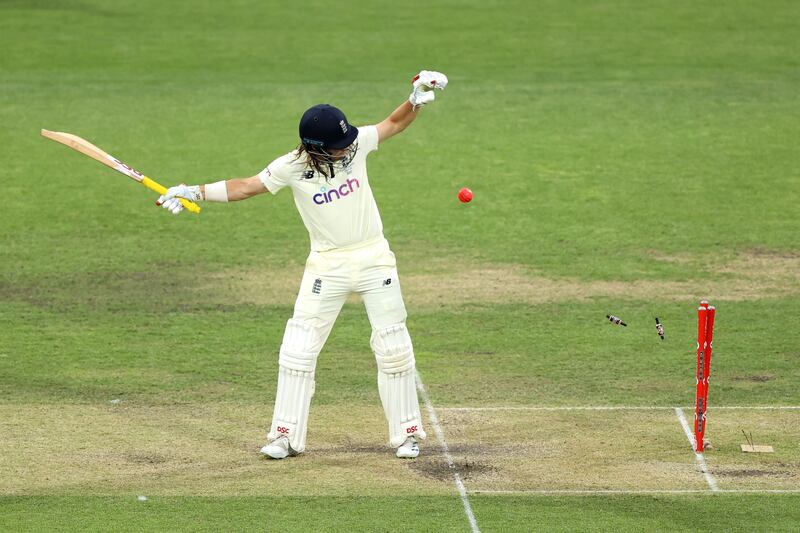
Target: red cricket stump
<point x="700" y="410"/>
<point x="705" y="336"/>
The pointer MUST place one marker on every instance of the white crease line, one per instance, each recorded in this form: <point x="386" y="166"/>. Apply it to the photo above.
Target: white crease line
<point x="462" y="491"/>
<point x="590" y="492"/>
<point x="617" y="408"/>
<point x="712" y="483"/>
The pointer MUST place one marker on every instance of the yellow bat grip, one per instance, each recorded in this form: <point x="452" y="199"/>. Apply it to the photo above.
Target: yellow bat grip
<point x="160" y="189"/>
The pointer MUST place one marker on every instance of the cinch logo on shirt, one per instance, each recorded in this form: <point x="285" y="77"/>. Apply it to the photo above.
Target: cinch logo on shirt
<point x="325" y="196"/>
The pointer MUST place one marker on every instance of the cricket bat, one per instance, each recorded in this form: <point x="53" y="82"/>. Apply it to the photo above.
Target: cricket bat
<point x="86" y="148"/>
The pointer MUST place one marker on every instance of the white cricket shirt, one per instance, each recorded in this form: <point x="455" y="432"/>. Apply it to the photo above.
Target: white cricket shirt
<point x="338" y="212"/>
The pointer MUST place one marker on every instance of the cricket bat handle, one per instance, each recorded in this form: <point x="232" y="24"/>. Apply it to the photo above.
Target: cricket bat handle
<point x="160" y="189"/>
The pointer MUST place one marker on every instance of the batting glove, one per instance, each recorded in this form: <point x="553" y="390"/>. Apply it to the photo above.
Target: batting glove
<point x="170" y="200"/>
<point x="424" y="83"/>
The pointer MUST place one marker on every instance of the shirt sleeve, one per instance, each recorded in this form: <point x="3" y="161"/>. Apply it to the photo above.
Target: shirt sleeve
<point x="275" y="176"/>
<point x="368" y="138"/>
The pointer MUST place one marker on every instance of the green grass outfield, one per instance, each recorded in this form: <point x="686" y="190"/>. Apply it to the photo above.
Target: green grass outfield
<point x="625" y="158"/>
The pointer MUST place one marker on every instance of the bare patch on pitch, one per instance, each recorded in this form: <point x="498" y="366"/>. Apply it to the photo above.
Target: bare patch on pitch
<point x="435" y="466"/>
<point x="267" y="286"/>
<point x="438" y="282"/>
<point x="493" y="283"/>
<point x="753" y="273"/>
<point x="620" y="450"/>
<point x="210" y="450"/>
<point x="432" y="283"/>
<point x="514" y="284"/>
<point x="153" y="290"/>
<point x="572" y="450"/>
<point x="761" y="263"/>
<point x="749" y="275"/>
<point x="731" y="432"/>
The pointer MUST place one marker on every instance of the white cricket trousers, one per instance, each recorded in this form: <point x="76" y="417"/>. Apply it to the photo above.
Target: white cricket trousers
<point x="330" y="277"/>
<point x="368" y="269"/>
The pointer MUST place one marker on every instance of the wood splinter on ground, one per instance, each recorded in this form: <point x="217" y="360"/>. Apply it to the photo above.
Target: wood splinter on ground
<point x="754" y="448"/>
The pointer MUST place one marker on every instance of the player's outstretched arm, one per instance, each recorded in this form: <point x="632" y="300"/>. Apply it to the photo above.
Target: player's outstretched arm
<point x="231" y="190"/>
<point x="423" y="85"/>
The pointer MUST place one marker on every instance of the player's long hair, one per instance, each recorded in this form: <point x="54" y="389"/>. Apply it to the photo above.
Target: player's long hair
<point x="322" y="161"/>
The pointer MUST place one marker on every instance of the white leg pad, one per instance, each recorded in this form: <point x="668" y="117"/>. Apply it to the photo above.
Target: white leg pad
<point x="298" y="361"/>
<point x="397" y="382"/>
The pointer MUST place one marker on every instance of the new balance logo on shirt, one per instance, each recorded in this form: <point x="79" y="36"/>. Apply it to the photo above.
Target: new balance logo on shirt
<point x="326" y="195"/>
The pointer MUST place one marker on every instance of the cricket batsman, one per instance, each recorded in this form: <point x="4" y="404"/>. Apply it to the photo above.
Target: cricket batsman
<point x="327" y="174"/>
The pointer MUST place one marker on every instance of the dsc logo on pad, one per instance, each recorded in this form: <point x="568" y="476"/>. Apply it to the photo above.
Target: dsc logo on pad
<point x="325" y="196"/>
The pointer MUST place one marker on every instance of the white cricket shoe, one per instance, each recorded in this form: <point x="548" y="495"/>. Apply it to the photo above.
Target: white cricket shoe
<point x="409" y="449"/>
<point x="279" y="448"/>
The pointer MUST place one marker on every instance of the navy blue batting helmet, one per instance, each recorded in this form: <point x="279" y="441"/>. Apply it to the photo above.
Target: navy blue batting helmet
<point x="325" y="126"/>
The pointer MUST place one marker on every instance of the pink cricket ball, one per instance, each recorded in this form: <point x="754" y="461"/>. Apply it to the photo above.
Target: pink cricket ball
<point x="465" y="195"/>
